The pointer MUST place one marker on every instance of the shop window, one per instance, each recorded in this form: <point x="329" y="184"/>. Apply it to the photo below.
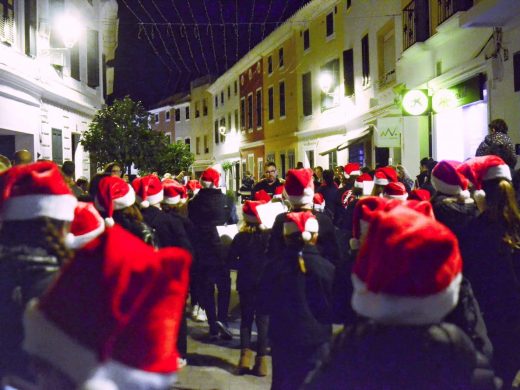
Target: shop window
<point x="356" y="153"/>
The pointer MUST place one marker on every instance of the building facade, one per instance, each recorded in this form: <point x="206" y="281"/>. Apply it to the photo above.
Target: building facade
<point x="51" y="85"/>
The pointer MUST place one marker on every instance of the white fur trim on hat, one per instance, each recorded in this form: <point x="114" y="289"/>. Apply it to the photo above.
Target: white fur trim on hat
<point x="305" y="199"/>
<point x="358" y="184"/>
<point x="76" y="242"/>
<point x="498" y="171"/>
<point x="172" y="199"/>
<point x="381" y="181"/>
<point x="119" y="203"/>
<point x="311" y="225"/>
<point x="319" y="207"/>
<point x="25" y="207"/>
<point x="152" y="199"/>
<point x="250" y="218"/>
<point x="48" y="342"/>
<point x="406" y="310"/>
<point x="445" y="188"/>
<point x="399" y="197"/>
<point x="207" y="184"/>
<point x="131" y="378"/>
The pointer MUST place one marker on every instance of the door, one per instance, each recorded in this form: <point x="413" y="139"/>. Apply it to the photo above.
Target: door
<point x="57" y="146"/>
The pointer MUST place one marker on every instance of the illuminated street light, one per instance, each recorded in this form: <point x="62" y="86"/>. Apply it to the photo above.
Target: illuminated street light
<point x="325" y="80"/>
<point x="69" y="27"/>
<point x="444" y="99"/>
<point x="415" y="102"/>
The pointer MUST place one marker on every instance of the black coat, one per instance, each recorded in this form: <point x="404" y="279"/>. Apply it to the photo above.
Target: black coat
<point x="169" y="230"/>
<point x="371" y="356"/>
<point x="327" y="243"/>
<point x="452" y="213"/>
<point x="299" y="304"/>
<point x="330" y="194"/>
<point x="266" y="186"/>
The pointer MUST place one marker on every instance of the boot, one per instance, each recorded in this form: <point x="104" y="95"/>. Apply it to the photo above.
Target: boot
<point x="246" y="359"/>
<point x="260" y="368"/>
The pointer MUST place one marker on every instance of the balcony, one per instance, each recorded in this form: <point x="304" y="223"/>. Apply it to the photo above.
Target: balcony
<point x="447" y="8"/>
<point x="416" y="23"/>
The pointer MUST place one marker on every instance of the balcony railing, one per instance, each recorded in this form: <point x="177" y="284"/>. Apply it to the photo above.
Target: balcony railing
<point x="447" y="8"/>
<point x="409" y="37"/>
<point x="416" y="23"/>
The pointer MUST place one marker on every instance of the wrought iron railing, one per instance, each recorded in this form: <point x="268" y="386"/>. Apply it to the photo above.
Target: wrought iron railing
<point x="409" y="25"/>
<point x="447" y="8"/>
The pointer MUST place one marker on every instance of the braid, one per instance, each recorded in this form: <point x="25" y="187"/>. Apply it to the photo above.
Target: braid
<point x="52" y="232"/>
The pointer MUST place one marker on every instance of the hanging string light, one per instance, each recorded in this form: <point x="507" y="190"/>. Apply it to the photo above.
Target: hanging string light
<point x="249" y="26"/>
<point x="224" y="30"/>
<point x="266" y="17"/>
<point x="236" y="29"/>
<point x="211" y="36"/>
<point x="197" y="34"/>
<point x="187" y="40"/>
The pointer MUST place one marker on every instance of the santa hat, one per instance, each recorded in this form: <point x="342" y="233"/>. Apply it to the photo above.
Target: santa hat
<point x="148" y="190"/>
<point x="35" y="190"/>
<point x="174" y="192"/>
<point x="299" y="186"/>
<point x="423" y="207"/>
<point x="85" y="227"/>
<point x="303" y="221"/>
<point x="363" y="213"/>
<point x="447" y="180"/>
<point x="385" y="175"/>
<point x="250" y="213"/>
<point x="319" y="202"/>
<point x="408" y="271"/>
<point x="395" y="190"/>
<point x="352" y="169"/>
<point x="113" y="194"/>
<point x="210" y="178"/>
<point x="263" y="196"/>
<point x="278" y="192"/>
<point x="419" y="194"/>
<point x="362" y="178"/>
<point x="193" y="186"/>
<point x="479" y="169"/>
<point x="117" y="282"/>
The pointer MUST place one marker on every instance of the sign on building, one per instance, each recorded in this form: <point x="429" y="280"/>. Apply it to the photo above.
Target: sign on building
<point x="388" y="132"/>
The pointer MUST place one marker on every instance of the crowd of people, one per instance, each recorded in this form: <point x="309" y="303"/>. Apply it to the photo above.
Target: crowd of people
<point x="422" y="275"/>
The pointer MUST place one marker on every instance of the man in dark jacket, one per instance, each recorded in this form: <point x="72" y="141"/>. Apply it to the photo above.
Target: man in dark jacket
<point x="270" y="183"/>
<point x="497" y="142"/>
<point x="207" y="210"/>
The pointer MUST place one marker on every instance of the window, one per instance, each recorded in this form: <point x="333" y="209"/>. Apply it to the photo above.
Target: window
<point x="74" y="62"/>
<point x="236" y="88"/>
<point x="187" y="141"/>
<point x="177" y="114"/>
<point x="309" y="156"/>
<point x="216" y="132"/>
<point x="333" y="159"/>
<point x="229" y="91"/>
<point x="250" y="111"/>
<point x="236" y="121"/>
<point x="242" y="113"/>
<point x="222" y="97"/>
<point x="270" y="64"/>
<point x="197" y="145"/>
<point x="222" y="127"/>
<point x="204" y="107"/>
<point x="307" y="94"/>
<point x="270" y="157"/>
<point x="270" y="103"/>
<point x="206" y="147"/>
<point x="306" y="40"/>
<point x="258" y="108"/>
<point x="281" y="90"/>
<point x="283" y="166"/>
<point x="187" y="112"/>
<point x="229" y="122"/>
<point x="92" y="58"/>
<point x="291" y="159"/>
<point x="57" y="146"/>
<point x="197" y="112"/>
<point x="330" y="24"/>
<point x="56" y="7"/>
<point x="168" y="115"/>
<point x="329" y="100"/>
<point x="365" y="60"/>
<point x="30" y="27"/>
<point x="216" y="101"/>
<point x="170" y="138"/>
<point x="156" y="118"/>
<point x="260" y="165"/>
<point x="349" y="4"/>
<point x="516" y="70"/>
<point x="386" y="54"/>
<point x="348" y="71"/>
<point x="280" y="57"/>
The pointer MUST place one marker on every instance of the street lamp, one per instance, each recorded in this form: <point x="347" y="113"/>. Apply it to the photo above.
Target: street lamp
<point x="69" y="27"/>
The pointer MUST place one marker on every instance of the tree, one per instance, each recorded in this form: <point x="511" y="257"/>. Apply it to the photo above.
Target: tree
<point x="120" y="132"/>
<point x="174" y="158"/>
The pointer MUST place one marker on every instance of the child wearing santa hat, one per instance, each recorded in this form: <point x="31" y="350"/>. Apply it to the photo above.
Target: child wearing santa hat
<point x="298" y="294"/>
<point x="247" y="254"/>
<point x="406" y="281"/>
<point x="36" y="207"/>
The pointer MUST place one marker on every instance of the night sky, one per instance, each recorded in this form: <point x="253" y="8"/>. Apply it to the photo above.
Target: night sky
<point x="164" y="44"/>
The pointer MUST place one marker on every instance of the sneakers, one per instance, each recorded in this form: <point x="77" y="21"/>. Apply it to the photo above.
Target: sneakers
<point x="198" y="314"/>
<point x="225" y="333"/>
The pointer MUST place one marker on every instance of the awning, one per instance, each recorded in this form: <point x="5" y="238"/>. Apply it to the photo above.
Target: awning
<point x="352" y="137"/>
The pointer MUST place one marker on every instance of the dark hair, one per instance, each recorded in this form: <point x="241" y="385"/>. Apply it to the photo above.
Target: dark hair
<point x="108" y="168"/>
<point x="68" y="168"/>
<point x="270" y="164"/>
<point x="328" y="176"/>
<point x="94" y="183"/>
<point x="499" y="125"/>
<point x="424" y="161"/>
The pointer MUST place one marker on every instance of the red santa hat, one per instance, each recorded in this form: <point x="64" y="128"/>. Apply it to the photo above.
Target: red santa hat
<point x="352" y="169"/>
<point x="119" y="299"/>
<point x="250" y="213"/>
<point x="148" y="190"/>
<point x="210" y="178"/>
<point x="447" y="180"/>
<point x="174" y="192"/>
<point x="303" y="221"/>
<point x="408" y="271"/>
<point x="479" y="169"/>
<point x="193" y="186"/>
<point x="113" y="194"/>
<point x="385" y="175"/>
<point x="263" y="196"/>
<point x="419" y="194"/>
<point x="362" y="178"/>
<point x="423" y="207"/>
<point x="35" y="190"/>
<point x="278" y="192"/>
<point x="395" y="190"/>
<point x="364" y="211"/>
<point x="299" y="186"/>
<point x="319" y="202"/>
<point x="86" y="226"/>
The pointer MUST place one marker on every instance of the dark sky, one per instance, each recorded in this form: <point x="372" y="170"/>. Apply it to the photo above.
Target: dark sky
<point x="164" y="44"/>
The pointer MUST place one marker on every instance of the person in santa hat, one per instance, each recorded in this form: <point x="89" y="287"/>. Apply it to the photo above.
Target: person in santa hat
<point x="395" y="190"/>
<point x="329" y="190"/>
<point x="298" y="296"/>
<point x="36" y="207"/>
<point x="247" y="254"/>
<point x="270" y="182"/>
<point x="299" y="191"/>
<point x="406" y="281"/>
<point x="490" y="247"/>
<point x="382" y="177"/>
<point x="209" y="209"/>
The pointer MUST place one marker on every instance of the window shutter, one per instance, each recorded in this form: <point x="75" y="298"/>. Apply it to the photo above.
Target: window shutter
<point x="6" y="21"/>
<point x="92" y="58"/>
<point x="56" y="8"/>
<point x="348" y="71"/>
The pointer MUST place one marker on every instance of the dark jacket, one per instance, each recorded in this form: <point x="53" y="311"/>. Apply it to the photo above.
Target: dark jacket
<point x="452" y="213"/>
<point x="207" y="210"/>
<point x="247" y="251"/>
<point x="168" y="229"/>
<point x="327" y="243"/>
<point x="371" y="356"/>
<point x="500" y="145"/>
<point x="138" y="229"/>
<point x="330" y="194"/>
<point x="299" y="304"/>
<point x="266" y="186"/>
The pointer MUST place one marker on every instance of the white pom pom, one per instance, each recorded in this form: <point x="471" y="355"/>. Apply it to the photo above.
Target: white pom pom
<point x="306" y="236"/>
<point x="464" y="194"/>
<point x="479" y="194"/>
<point x="109" y="222"/>
<point x="145" y="204"/>
<point x="354" y="243"/>
<point x="70" y="241"/>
